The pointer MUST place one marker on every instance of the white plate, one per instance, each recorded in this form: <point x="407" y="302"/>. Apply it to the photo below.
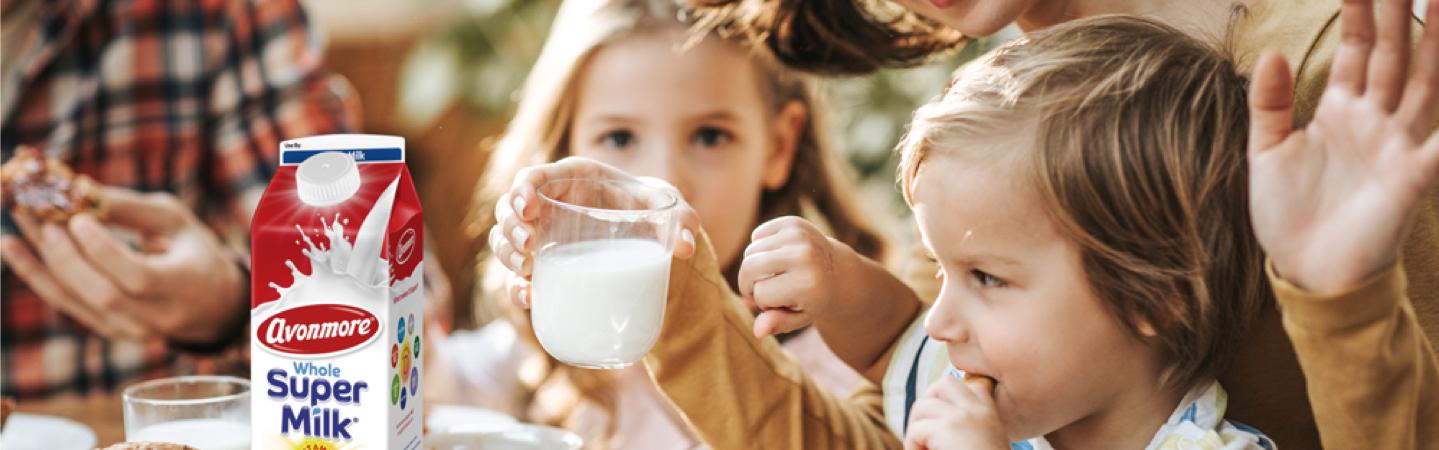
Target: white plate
<point x="517" y="436"/>
<point x="465" y="418"/>
<point x="31" y="431"/>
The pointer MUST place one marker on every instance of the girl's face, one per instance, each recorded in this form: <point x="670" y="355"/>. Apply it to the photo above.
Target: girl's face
<point x="976" y="17"/>
<point x="1015" y="305"/>
<point x="694" y="117"/>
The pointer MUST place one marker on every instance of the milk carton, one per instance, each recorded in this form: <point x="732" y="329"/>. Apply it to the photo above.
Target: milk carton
<point x="337" y="262"/>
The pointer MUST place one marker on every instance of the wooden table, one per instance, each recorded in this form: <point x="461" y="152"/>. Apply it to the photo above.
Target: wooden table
<point x="103" y="413"/>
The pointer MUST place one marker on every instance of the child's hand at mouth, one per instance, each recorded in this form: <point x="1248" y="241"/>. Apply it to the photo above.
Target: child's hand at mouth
<point x="957" y="412"/>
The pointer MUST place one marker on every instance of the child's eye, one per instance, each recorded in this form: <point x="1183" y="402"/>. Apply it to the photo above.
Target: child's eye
<point x="987" y="280"/>
<point x="711" y="137"/>
<point x="617" y="139"/>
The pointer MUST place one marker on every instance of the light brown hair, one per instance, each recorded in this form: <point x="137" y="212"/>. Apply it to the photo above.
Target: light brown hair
<point x="835" y="37"/>
<point x="539" y="131"/>
<point x="1138" y="156"/>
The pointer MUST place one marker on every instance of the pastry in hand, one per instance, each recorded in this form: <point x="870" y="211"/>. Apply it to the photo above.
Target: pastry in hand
<point x="46" y="188"/>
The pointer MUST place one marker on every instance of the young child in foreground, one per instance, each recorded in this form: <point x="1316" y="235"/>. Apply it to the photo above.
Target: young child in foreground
<point x="1084" y="193"/>
<point x="1100" y="269"/>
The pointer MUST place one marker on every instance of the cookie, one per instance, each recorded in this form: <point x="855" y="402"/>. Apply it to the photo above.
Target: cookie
<point x="46" y="188"/>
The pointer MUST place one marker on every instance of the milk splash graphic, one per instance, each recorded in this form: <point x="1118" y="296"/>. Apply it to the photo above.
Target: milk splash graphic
<point x="331" y="269"/>
<point x="334" y="347"/>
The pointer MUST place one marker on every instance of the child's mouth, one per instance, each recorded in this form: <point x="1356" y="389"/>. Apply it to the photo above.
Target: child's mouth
<point x="972" y="377"/>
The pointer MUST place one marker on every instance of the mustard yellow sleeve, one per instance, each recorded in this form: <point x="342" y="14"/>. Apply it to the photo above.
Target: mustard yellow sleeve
<point x="1373" y="379"/>
<point x="739" y="392"/>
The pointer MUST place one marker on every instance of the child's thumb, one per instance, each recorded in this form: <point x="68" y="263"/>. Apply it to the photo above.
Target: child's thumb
<point x="775" y="321"/>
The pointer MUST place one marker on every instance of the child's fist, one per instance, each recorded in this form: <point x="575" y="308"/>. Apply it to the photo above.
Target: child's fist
<point x="792" y="273"/>
<point x="956" y="413"/>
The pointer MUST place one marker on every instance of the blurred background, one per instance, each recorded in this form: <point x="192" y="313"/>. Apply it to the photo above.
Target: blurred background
<point x="445" y="75"/>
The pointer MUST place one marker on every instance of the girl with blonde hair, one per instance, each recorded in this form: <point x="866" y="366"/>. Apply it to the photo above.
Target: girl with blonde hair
<point x="625" y="83"/>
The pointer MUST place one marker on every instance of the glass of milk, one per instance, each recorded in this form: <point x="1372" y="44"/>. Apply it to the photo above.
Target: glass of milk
<point x="204" y="412"/>
<point x="601" y="269"/>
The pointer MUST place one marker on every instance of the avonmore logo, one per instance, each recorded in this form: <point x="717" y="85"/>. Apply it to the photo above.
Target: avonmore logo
<point x="406" y="246"/>
<point x="316" y="330"/>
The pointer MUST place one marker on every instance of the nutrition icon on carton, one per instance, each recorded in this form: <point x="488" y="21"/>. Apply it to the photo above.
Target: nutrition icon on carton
<point x="337" y="264"/>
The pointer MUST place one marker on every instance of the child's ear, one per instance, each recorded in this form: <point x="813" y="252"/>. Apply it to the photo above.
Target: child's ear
<point x="789" y="126"/>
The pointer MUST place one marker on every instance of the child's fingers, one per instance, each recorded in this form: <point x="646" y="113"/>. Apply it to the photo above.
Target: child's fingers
<point x="518" y="235"/>
<point x="524" y="189"/>
<point x="688" y="219"/>
<point x="1271" y="103"/>
<point x="1389" y="63"/>
<point x="506" y="254"/>
<point x="1418" y="106"/>
<point x="933" y="404"/>
<point x="519" y="291"/>
<point x="776" y="225"/>
<point x="504" y="206"/>
<point x="919" y="432"/>
<point x="774" y="321"/>
<point x="521" y="202"/>
<point x="1356" y="41"/>
<point x="689" y="228"/>
<point x="508" y="227"/>
<point x="755" y="268"/>
<point x="769" y="227"/>
<point x="926" y="420"/>
<point x="782" y="291"/>
<point x="767" y="243"/>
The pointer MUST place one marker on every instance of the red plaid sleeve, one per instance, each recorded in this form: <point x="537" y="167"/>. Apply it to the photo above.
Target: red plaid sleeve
<point x="270" y="86"/>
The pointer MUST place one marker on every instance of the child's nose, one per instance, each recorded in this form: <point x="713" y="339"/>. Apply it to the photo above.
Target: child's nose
<point x="664" y="165"/>
<point x="945" y="323"/>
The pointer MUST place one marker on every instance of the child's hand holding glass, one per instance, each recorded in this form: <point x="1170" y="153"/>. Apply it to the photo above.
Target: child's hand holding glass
<point x="512" y="239"/>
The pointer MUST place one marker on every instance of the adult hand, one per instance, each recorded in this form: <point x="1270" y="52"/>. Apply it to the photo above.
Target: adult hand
<point x="180" y="284"/>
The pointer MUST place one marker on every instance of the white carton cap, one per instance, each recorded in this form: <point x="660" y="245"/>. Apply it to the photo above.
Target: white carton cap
<point x="327" y="179"/>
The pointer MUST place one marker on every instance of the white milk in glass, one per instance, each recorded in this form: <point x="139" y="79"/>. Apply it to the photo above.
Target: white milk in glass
<point x="203" y="434"/>
<point x="600" y="303"/>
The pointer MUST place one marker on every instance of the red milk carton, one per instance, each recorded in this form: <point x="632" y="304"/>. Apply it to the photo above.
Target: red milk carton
<point x="337" y="298"/>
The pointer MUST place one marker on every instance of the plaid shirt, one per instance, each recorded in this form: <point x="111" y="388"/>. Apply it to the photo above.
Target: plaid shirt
<point x="186" y="97"/>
